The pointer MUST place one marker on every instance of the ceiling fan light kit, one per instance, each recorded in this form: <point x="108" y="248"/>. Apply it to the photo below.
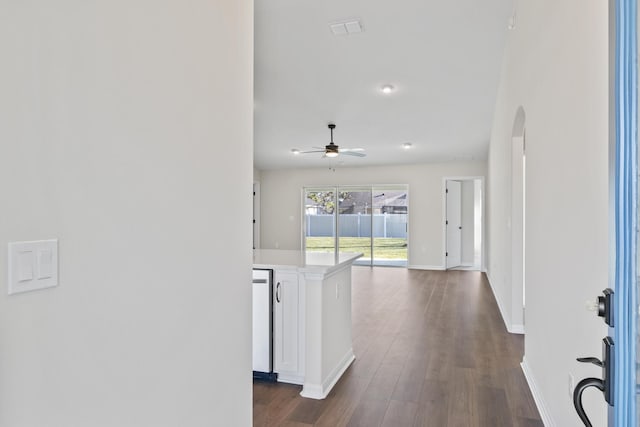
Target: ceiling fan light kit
<point x="387" y="89"/>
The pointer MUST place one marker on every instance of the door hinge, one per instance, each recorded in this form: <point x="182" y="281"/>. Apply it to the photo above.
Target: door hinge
<point x="446" y="222"/>
<point x="254" y="193"/>
<point x="447" y="191"/>
<point x="446" y="254"/>
<point x="254" y="221"/>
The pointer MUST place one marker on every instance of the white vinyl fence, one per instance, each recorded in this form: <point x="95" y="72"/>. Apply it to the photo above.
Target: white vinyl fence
<point x="358" y="225"/>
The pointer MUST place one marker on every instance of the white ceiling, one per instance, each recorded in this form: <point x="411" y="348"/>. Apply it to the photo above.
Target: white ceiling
<point x="443" y="58"/>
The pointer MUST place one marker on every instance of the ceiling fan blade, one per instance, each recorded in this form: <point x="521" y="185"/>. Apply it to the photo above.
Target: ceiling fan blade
<point x="351" y="153"/>
<point x="313" y="151"/>
<point x="346" y="150"/>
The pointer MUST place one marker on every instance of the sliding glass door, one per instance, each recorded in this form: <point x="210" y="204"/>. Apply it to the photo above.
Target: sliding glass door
<point x="390" y="226"/>
<point x="354" y="222"/>
<point x="372" y="220"/>
<point x="320" y="220"/>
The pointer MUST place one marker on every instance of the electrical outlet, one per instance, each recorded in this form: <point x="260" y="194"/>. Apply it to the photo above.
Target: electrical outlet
<point x="572" y="385"/>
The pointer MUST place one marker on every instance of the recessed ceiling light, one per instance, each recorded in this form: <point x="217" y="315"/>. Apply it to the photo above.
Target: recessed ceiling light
<point x="387" y="89"/>
<point x="295" y="151"/>
<point x="407" y="145"/>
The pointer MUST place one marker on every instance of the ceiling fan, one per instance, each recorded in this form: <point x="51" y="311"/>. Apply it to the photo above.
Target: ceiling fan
<point x="332" y="150"/>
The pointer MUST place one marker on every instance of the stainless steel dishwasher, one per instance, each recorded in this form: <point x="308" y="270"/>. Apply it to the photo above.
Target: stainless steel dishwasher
<point x="263" y="325"/>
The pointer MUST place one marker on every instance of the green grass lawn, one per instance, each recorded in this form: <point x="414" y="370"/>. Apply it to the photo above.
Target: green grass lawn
<point x="384" y="247"/>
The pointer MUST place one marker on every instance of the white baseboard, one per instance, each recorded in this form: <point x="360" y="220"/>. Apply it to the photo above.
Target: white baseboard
<point x="465" y="268"/>
<point x="513" y="329"/>
<point x="290" y="379"/>
<point x="426" y="267"/>
<point x="537" y="396"/>
<point x="321" y="391"/>
<point x="516" y="329"/>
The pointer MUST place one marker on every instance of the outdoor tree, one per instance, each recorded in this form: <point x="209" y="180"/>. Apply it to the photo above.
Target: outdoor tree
<point x="325" y="199"/>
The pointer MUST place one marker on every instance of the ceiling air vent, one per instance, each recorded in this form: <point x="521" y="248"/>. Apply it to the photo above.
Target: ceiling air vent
<point x="346" y="27"/>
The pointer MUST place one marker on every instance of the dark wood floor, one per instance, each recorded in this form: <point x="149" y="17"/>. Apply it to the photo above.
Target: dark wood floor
<point x="431" y="350"/>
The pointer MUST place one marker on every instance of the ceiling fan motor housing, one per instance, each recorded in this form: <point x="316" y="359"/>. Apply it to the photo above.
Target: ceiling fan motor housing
<point x="331" y="148"/>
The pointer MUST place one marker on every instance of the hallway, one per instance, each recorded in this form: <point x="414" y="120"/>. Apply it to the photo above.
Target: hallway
<point x="431" y="350"/>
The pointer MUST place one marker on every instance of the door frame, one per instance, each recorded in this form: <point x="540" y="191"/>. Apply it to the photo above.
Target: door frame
<point x="257" y="207"/>
<point x="483" y="221"/>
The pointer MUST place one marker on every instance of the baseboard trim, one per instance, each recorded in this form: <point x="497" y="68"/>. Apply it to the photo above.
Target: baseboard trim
<point x="512" y="329"/>
<point x="290" y="379"/>
<point x="517" y="329"/>
<point x="426" y="267"/>
<point x="321" y="391"/>
<point x="465" y="268"/>
<point x="537" y="395"/>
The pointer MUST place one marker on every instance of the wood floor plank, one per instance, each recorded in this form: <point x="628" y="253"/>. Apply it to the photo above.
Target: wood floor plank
<point x="492" y="407"/>
<point x="433" y="409"/>
<point x="308" y="410"/>
<point x="368" y="413"/>
<point x="431" y="350"/>
<point x="400" y="414"/>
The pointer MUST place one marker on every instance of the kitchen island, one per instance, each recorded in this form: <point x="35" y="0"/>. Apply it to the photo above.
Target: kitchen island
<point x="312" y="316"/>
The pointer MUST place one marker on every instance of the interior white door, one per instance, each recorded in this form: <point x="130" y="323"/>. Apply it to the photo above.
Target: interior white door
<point x="454" y="224"/>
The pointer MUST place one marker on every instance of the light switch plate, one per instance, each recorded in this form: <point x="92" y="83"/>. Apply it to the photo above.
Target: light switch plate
<point x="32" y="265"/>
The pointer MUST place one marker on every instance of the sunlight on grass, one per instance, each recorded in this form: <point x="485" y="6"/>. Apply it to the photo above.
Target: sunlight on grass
<point x="384" y="247"/>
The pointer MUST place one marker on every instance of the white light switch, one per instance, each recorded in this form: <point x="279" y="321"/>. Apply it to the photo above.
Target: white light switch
<point x="32" y="265"/>
<point x="45" y="264"/>
<point x="25" y="266"/>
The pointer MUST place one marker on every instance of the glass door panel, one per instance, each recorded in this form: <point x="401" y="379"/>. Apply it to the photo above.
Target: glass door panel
<point x="390" y="211"/>
<point x="354" y="222"/>
<point x="320" y="219"/>
<point x="370" y="220"/>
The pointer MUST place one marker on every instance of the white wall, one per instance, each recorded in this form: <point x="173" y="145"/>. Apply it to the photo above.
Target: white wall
<point x="556" y="68"/>
<point x="113" y="116"/>
<point x="282" y="205"/>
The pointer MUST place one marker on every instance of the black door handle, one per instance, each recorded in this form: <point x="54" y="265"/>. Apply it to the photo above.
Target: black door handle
<point x="604" y="384"/>
<point x="577" y="397"/>
<point x="593" y="360"/>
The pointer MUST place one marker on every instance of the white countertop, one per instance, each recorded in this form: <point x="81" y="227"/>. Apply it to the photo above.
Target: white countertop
<point x="318" y="262"/>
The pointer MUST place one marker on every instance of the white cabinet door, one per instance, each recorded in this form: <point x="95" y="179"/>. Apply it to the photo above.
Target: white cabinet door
<point x="286" y="329"/>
